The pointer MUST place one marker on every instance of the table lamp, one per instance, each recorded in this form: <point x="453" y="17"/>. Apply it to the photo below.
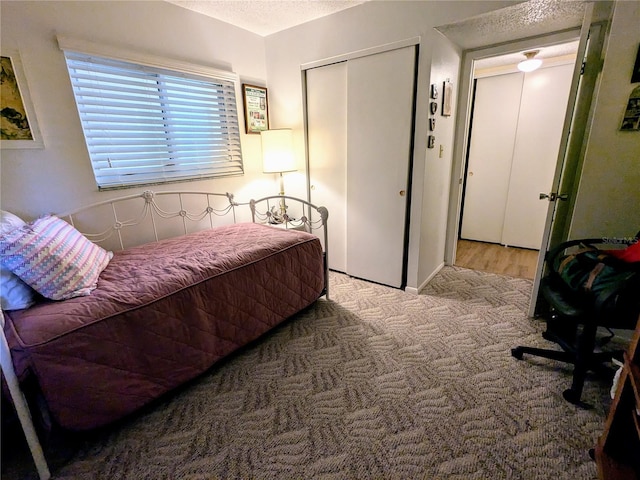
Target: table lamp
<point x="277" y="157"/>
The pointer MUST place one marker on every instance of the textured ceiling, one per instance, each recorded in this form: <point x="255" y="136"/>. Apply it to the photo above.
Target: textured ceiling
<point x="265" y="17"/>
<point x="526" y="19"/>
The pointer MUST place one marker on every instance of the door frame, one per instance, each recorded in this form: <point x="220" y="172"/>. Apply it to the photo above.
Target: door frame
<point x="579" y="116"/>
<point x="463" y="121"/>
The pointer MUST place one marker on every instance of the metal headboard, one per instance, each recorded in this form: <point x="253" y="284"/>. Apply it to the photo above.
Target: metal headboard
<point x="150" y="209"/>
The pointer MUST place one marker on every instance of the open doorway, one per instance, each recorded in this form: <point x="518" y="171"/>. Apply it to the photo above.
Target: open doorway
<point x="513" y="138"/>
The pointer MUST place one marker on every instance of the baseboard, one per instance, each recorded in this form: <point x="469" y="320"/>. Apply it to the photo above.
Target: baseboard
<point x="416" y="291"/>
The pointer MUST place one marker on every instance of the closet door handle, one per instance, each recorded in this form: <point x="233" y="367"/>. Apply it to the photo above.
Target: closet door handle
<point x="402" y="193"/>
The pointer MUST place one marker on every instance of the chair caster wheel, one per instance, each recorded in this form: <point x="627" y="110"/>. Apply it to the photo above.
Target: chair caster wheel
<point x="571" y="397"/>
<point x="517" y="353"/>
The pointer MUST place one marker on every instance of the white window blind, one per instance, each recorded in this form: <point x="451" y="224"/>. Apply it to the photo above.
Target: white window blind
<point x="144" y="124"/>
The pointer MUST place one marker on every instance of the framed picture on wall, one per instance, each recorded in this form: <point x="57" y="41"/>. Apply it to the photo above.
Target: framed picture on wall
<point x="18" y="125"/>
<point x="256" y="108"/>
<point x="447" y="92"/>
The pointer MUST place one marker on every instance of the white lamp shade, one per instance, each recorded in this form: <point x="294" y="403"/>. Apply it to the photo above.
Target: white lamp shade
<point x="277" y="151"/>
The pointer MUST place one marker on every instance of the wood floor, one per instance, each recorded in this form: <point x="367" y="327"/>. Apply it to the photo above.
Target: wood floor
<point x="490" y="257"/>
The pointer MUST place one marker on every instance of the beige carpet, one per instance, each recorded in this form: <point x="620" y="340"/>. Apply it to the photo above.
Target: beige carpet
<point x="372" y="384"/>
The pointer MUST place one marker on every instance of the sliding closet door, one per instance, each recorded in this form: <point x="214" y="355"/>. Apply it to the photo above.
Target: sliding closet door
<point x="327" y="140"/>
<point x="379" y="124"/>
<point x="359" y="129"/>
<point x="515" y="137"/>
<point x="493" y="131"/>
<point x="544" y="102"/>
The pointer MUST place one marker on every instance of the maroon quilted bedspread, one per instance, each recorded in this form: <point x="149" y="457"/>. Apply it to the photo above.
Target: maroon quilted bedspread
<point x="162" y="314"/>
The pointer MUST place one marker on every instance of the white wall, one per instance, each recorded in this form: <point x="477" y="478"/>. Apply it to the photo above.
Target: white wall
<point x="368" y="25"/>
<point x="59" y="178"/>
<point x="608" y="201"/>
<point x="438" y="162"/>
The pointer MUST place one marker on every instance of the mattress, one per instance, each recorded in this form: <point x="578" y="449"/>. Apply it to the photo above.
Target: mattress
<point x="163" y="313"/>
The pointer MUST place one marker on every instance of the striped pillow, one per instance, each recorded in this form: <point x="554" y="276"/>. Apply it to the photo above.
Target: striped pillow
<point x="54" y="258"/>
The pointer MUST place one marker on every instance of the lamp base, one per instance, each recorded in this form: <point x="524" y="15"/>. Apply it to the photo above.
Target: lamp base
<point x="278" y="215"/>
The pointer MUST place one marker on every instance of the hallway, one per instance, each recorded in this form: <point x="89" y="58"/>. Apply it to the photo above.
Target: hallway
<point x="494" y="258"/>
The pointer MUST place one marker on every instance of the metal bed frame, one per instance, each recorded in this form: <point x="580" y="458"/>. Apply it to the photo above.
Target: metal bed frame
<point x="194" y="211"/>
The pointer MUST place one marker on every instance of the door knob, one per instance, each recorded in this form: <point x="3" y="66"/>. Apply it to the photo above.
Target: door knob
<point x="402" y="193"/>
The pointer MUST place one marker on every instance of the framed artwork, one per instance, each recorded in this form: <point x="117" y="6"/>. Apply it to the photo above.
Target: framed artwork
<point x="447" y="92"/>
<point x="18" y="125"/>
<point x="256" y="108"/>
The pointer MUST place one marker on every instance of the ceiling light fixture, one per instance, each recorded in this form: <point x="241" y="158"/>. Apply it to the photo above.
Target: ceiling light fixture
<point x="531" y="63"/>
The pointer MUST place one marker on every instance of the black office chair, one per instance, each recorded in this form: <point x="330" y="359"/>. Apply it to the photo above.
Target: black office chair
<point x="573" y="319"/>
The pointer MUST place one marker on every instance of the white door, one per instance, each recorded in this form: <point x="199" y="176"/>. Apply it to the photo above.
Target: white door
<point x="545" y="94"/>
<point x="576" y="125"/>
<point x="379" y="125"/>
<point x="493" y="131"/>
<point x="359" y="133"/>
<point x="327" y="140"/>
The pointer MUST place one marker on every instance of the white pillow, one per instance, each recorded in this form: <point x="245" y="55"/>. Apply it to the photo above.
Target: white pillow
<point x="14" y="293"/>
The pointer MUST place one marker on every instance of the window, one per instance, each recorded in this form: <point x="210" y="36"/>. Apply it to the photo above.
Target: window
<point x="146" y="124"/>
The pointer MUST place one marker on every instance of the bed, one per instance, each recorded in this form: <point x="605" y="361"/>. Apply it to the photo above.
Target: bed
<point x="193" y="277"/>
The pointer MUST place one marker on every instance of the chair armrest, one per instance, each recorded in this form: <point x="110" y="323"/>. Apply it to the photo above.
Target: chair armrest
<point x="558" y="249"/>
